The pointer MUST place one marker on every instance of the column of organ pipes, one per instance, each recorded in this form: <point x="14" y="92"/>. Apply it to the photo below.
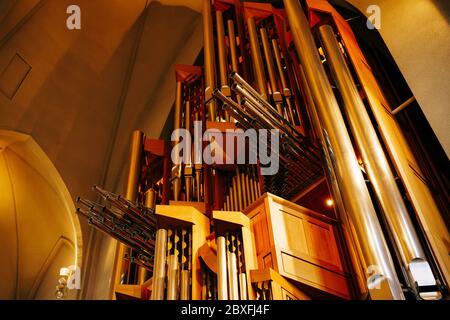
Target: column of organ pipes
<point x="231" y="273"/>
<point x="132" y="224"/>
<point x="271" y="105"/>
<point x="188" y="178"/>
<point x="269" y="60"/>
<point x="173" y="264"/>
<point x="241" y="189"/>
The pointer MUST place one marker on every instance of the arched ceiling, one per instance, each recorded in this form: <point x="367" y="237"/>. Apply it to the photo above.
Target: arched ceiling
<point x="39" y="232"/>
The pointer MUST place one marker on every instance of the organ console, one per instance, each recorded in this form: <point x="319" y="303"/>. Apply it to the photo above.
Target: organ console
<point x="226" y="230"/>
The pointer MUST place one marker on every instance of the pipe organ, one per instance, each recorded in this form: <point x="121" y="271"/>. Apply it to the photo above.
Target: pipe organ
<point x="280" y="79"/>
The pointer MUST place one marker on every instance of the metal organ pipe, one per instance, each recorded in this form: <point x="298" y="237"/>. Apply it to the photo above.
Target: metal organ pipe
<point x="222" y="268"/>
<point x="134" y="165"/>
<point x="222" y="53"/>
<point x="159" y="272"/>
<point x="208" y="40"/>
<point x="373" y="156"/>
<point x="354" y="191"/>
<point x="331" y="177"/>
<point x="258" y="65"/>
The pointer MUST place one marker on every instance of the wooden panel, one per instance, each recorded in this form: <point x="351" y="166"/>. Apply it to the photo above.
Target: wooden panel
<point x="322" y="243"/>
<point x="313" y="275"/>
<point x="260" y="231"/>
<point x="267" y="261"/>
<point x="290" y="232"/>
<point x="299" y="244"/>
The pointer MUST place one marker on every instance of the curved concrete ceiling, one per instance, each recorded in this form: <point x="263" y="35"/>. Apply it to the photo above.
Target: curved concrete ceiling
<point x="39" y="232"/>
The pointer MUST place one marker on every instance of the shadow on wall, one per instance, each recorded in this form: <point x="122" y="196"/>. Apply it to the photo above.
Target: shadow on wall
<point x="39" y="232"/>
<point x="444" y="7"/>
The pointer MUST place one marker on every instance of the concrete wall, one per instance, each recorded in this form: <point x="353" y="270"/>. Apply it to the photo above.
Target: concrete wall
<point x="417" y="34"/>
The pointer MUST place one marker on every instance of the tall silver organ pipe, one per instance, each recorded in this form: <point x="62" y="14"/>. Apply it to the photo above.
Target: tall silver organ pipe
<point x="222" y="284"/>
<point x="354" y="191"/>
<point x="358" y="267"/>
<point x="375" y="162"/>
<point x="208" y="40"/>
<point x="159" y="273"/>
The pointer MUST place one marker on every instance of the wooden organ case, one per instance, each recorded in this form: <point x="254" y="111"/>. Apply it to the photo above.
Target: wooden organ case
<point x="224" y="230"/>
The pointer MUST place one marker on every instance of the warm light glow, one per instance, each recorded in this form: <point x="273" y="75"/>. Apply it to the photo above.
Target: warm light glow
<point x="64" y="272"/>
<point x="329" y="202"/>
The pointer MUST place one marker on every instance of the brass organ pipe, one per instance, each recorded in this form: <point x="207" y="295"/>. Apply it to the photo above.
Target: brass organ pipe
<point x="346" y="166"/>
<point x="235" y="195"/>
<point x="253" y="190"/>
<point x="331" y="177"/>
<point x="230" y="192"/>
<point x="233" y="272"/>
<point x="222" y="53"/>
<point x="173" y="266"/>
<point x="277" y="54"/>
<point x="188" y="169"/>
<point x="222" y="268"/>
<point x="286" y="90"/>
<point x="244" y="192"/>
<point x="233" y="46"/>
<point x="185" y="278"/>
<point x="176" y="182"/>
<point x="132" y="185"/>
<point x="243" y="286"/>
<point x="258" y="66"/>
<point x="247" y="187"/>
<point x="188" y="183"/>
<point x="239" y="189"/>
<point x="187" y="115"/>
<point x="271" y="70"/>
<point x="375" y="161"/>
<point x="208" y="40"/>
<point x="233" y="50"/>
<point x="270" y="64"/>
<point x="150" y="198"/>
<point x="257" y="191"/>
<point x="159" y="272"/>
<point x="178" y="103"/>
<point x="172" y="277"/>
<point x="198" y="179"/>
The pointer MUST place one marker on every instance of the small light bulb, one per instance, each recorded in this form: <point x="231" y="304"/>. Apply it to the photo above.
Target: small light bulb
<point x="64" y="272"/>
<point x="329" y="202"/>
